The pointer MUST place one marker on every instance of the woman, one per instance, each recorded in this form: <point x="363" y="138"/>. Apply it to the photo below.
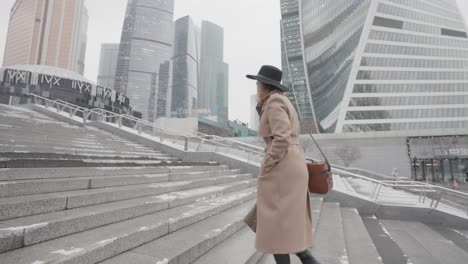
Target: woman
<point x="284" y="222"/>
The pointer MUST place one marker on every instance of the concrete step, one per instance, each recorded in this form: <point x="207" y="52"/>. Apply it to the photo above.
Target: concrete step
<point x="459" y="237"/>
<point x="111" y="181"/>
<point x="39" y="228"/>
<point x="72" y="137"/>
<point x="359" y="245"/>
<point x="111" y="240"/>
<point x="329" y="239"/>
<point x="316" y="204"/>
<point x="29" y="187"/>
<point x="64" y="138"/>
<point x="255" y="258"/>
<point x="236" y="249"/>
<point x="19" y="206"/>
<point x="41" y="145"/>
<point x="14" y="174"/>
<point x="188" y="244"/>
<point x="387" y="247"/>
<point x="13" y="188"/>
<point x="48" y="155"/>
<point x="33" y="163"/>
<point x="63" y="152"/>
<point x="48" y="163"/>
<point x="423" y="245"/>
<point x="267" y="259"/>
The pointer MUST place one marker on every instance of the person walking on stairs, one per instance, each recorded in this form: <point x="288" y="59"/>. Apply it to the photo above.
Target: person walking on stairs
<point x="284" y="219"/>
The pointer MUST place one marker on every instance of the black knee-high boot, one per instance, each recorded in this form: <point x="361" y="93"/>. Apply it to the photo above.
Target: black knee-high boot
<point x="282" y="259"/>
<point x="306" y="257"/>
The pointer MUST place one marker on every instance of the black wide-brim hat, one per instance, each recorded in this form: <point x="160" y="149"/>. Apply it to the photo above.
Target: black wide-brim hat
<point x="269" y="75"/>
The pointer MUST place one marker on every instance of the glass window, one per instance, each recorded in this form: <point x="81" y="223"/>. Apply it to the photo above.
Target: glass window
<point x="415" y="51"/>
<point x="411" y="75"/>
<point x="413" y="63"/>
<point x="440" y="10"/>
<point x="409" y="38"/>
<point x="453" y="33"/>
<point x="386" y="22"/>
<point x="413" y="15"/>
<point x="408" y="100"/>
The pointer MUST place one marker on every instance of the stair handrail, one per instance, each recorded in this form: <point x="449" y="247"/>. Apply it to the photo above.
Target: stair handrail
<point x="71" y="105"/>
<point x="73" y="109"/>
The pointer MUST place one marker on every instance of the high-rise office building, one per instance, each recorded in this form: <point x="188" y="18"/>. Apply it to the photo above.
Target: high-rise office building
<point x="213" y="84"/>
<point x="47" y="32"/>
<point x="292" y="60"/>
<point x="185" y="66"/>
<point x="386" y="65"/>
<point x="108" y="64"/>
<point x="144" y="62"/>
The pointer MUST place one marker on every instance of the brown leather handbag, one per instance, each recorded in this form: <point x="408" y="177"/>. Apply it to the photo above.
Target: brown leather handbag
<point x="320" y="175"/>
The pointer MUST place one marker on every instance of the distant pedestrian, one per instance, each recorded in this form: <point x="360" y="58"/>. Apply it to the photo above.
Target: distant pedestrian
<point x="455" y="184"/>
<point x="284" y="220"/>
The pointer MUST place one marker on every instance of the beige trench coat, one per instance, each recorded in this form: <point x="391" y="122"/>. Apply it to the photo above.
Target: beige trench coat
<point x="284" y="221"/>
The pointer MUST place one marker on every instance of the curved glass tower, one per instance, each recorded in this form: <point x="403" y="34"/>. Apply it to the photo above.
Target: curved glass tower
<point x="294" y="75"/>
<point x="385" y="65"/>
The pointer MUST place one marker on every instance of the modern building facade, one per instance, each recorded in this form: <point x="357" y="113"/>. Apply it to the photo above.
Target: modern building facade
<point x="108" y="64"/>
<point x="386" y="65"/>
<point x="439" y="158"/>
<point x="185" y="66"/>
<point x="144" y="63"/>
<point x="47" y="32"/>
<point x="292" y="60"/>
<point x="16" y="82"/>
<point x="213" y="87"/>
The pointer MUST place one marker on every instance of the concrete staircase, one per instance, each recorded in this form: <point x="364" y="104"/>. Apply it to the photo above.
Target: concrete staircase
<point x="30" y="135"/>
<point x="343" y="236"/>
<point x="133" y="204"/>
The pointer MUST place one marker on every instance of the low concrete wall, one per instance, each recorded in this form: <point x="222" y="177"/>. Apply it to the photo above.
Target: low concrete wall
<point x="379" y="155"/>
<point x="377" y="152"/>
<point x="186" y="125"/>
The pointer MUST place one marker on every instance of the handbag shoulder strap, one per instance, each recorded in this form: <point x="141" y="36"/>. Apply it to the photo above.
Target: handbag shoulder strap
<point x="320" y="149"/>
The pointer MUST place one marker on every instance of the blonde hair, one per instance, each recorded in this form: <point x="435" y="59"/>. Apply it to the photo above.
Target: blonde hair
<point x="265" y="91"/>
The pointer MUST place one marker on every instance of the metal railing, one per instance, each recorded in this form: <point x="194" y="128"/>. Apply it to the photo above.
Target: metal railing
<point x="377" y="190"/>
<point x="415" y="192"/>
<point x="59" y="105"/>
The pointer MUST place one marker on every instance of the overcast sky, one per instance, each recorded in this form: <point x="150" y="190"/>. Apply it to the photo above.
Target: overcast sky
<point x="251" y="31"/>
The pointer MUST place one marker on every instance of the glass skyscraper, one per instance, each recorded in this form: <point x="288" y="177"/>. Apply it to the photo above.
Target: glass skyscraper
<point x="385" y="65"/>
<point x="185" y="66"/>
<point x="214" y="72"/>
<point x="294" y="76"/>
<point x="108" y="65"/>
<point x="144" y="63"/>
